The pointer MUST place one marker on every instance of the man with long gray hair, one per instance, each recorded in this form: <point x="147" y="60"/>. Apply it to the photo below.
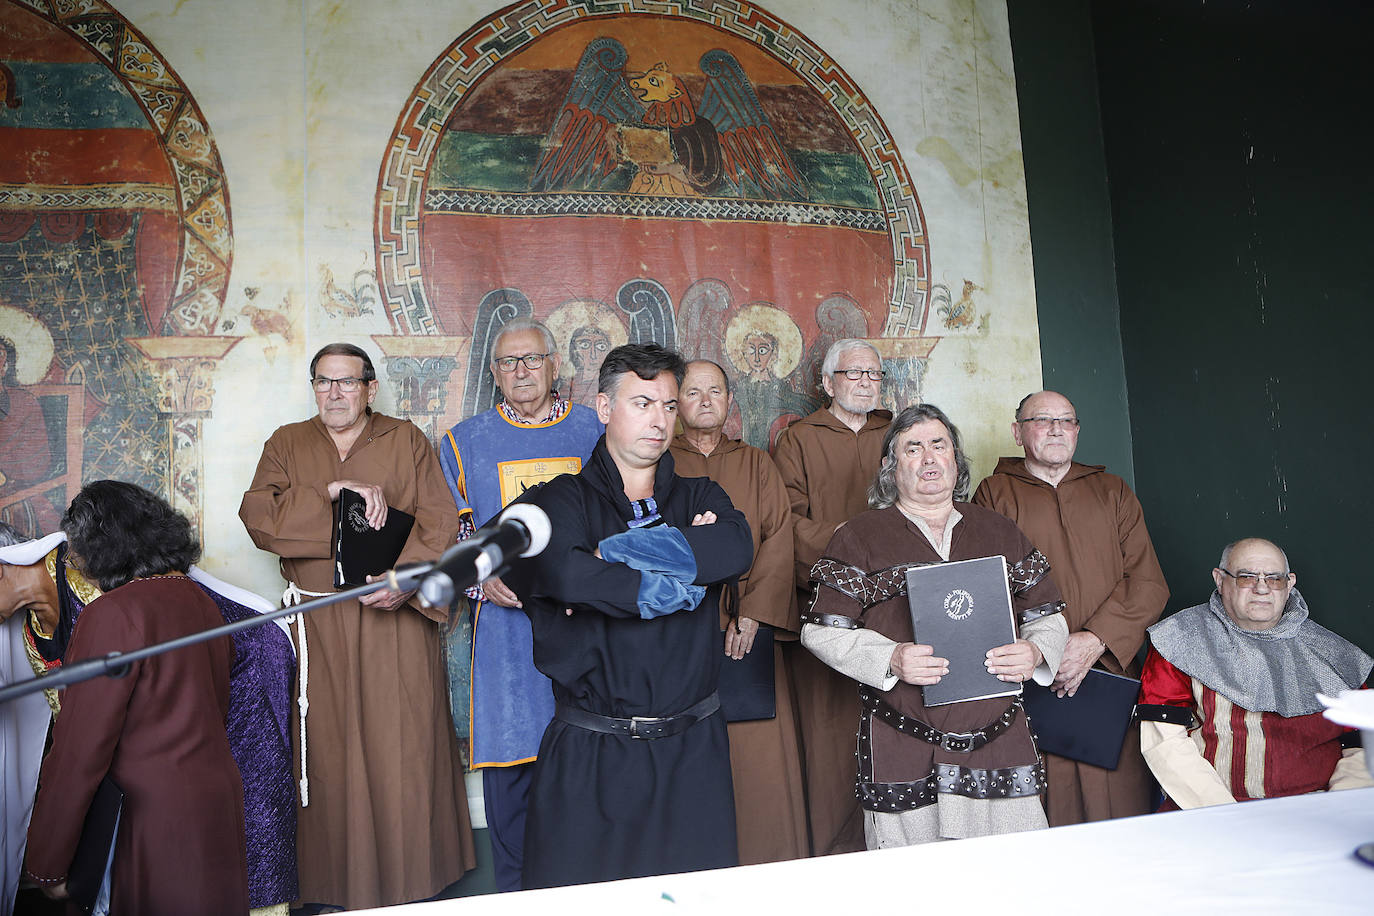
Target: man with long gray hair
<point x="955" y="770"/>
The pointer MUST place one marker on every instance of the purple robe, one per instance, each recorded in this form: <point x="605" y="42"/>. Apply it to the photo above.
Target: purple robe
<point x="259" y="726"/>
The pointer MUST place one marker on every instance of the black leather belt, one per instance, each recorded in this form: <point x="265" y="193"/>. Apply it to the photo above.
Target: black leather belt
<point x="832" y="620"/>
<point x="953" y="742"/>
<point x="646" y="727"/>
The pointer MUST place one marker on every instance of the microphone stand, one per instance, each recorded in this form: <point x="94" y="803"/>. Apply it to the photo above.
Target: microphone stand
<point x="116" y="664"/>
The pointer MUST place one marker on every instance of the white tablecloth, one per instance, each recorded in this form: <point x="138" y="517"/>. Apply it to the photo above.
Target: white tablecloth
<point x="1288" y="855"/>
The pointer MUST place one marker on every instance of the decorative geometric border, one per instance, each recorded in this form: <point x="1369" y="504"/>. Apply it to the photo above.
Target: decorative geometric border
<point x="401" y="184"/>
<point x="88" y="197"/>
<point x="505" y="203"/>
<point x="207" y="242"/>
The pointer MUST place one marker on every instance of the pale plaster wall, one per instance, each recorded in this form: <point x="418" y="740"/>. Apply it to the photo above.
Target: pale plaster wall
<point x="302" y="98"/>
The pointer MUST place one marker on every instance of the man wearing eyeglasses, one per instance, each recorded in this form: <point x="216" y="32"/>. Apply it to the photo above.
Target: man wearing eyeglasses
<point x="827" y="460"/>
<point x="1228" y="699"/>
<point x="383" y="816"/>
<point x="1091" y="527"/>
<point x="533" y="435"/>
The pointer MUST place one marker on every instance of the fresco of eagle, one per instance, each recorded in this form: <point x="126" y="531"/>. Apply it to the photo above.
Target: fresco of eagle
<point x="726" y="147"/>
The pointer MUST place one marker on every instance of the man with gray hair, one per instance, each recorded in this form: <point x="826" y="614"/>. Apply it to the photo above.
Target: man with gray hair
<point x="1228" y="699"/>
<point x="533" y="435"/>
<point x="1091" y="527"/>
<point x="827" y="460"/>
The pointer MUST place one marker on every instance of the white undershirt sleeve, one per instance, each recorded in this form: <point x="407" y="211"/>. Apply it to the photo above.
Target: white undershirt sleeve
<point x="1183" y="773"/>
<point x="865" y="655"/>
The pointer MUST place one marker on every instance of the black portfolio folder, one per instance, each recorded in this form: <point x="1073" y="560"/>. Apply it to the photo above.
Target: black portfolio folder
<point x="98" y="833"/>
<point x="963" y="609"/>
<point x="1088" y="726"/>
<point x="746" y="684"/>
<point x="361" y="550"/>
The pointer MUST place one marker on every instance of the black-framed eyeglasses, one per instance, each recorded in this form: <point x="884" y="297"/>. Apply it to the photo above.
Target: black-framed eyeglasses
<point x="1049" y="422"/>
<point x="874" y="375"/>
<point x="532" y="361"/>
<point x="347" y="385"/>
<point x="1247" y="579"/>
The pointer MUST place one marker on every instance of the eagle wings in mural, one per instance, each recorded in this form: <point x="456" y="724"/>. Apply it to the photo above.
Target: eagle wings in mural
<point x="726" y="146"/>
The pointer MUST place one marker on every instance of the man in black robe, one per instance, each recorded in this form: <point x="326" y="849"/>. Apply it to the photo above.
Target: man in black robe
<point x="633" y="775"/>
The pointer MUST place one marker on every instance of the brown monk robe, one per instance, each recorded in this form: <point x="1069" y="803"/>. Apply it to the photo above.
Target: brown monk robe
<point x="826" y="468"/>
<point x="387" y="820"/>
<point x="765" y="757"/>
<point x="1093" y="531"/>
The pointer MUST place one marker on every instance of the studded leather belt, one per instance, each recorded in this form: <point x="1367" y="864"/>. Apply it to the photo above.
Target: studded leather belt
<point x="953" y="742"/>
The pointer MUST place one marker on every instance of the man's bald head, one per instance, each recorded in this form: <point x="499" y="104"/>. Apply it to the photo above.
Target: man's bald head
<point x="1251" y="542"/>
<point x="1254" y="582"/>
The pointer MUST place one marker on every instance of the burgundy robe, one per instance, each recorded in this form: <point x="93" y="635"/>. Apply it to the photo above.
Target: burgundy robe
<point x="159" y="732"/>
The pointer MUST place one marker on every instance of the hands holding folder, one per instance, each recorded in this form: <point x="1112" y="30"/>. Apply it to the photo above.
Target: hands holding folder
<point x="918" y="664"/>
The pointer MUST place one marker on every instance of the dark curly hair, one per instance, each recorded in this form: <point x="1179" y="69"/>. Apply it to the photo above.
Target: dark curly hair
<point x="644" y="360"/>
<point x="121" y="531"/>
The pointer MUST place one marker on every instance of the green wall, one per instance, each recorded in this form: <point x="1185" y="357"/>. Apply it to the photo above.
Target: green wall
<point x="1071" y="222"/>
<point x="1238" y="152"/>
<point x="1200" y="203"/>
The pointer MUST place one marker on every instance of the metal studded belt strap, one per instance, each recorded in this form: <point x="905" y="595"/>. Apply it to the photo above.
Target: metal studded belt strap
<point x="832" y="620"/>
<point x="645" y="727"/>
<point x="953" y="742"/>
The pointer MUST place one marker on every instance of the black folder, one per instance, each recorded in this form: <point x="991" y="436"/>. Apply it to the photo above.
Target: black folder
<point x="1089" y="726"/>
<point x="361" y="550"/>
<point x="98" y="833"/>
<point x="962" y="609"/>
<point x="746" y="684"/>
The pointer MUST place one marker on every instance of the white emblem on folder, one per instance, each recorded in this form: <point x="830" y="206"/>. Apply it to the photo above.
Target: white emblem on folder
<point x="958" y="604"/>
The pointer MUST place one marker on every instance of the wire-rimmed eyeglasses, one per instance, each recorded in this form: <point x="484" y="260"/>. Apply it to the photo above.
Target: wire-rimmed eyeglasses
<point x="1049" y="422"/>
<point x="1247" y="579"/>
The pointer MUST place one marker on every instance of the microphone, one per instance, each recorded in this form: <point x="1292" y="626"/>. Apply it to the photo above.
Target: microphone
<point x="521" y="531"/>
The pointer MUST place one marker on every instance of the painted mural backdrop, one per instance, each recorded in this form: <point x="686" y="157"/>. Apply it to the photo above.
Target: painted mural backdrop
<point x="696" y="174"/>
<point x="115" y="248"/>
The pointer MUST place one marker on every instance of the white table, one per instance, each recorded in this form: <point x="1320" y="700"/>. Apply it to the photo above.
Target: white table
<point x="1288" y="855"/>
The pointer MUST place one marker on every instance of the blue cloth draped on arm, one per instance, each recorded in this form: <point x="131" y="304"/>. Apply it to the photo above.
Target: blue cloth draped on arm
<point x="666" y="566"/>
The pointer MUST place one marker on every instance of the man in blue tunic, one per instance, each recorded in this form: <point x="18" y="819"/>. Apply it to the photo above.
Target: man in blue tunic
<point x="532" y="436"/>
<point x="634" y="771"/>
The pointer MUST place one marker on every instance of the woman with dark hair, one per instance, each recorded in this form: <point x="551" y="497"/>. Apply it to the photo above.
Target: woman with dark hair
<point x="158" y="732"/>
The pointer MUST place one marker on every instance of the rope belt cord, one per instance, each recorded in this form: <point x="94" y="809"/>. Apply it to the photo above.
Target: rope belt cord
<point x="293" y="596"/>
<point x="952" y="742"/>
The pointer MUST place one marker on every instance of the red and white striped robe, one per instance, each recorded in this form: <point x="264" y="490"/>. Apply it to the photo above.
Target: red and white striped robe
<point x="1256" y="754"/>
